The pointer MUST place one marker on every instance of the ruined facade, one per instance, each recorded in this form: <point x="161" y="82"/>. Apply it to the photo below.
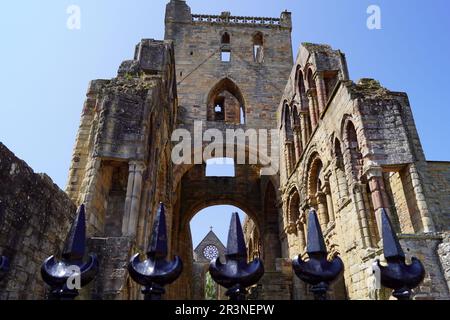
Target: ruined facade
<point x="346" y="149"/>
<point x="349" y="150"/>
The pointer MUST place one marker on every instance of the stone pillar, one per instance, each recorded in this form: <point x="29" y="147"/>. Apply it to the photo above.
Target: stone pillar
<point x="341" y="179"/>
<point x="88" y="193"/>
<point x="305" y="209"/>
<point x="285" y="209"/>
<point x="378" y="195"/>
<point x="330" y="205"/>
<point x="305" y="134"/>
<point x="321" y="92"/>
<point x="322" y="209"/>
<point x="427" y="220"/>
<point x="312" y="108"/>
<point x="301" y="231"/>
<point x="288" y="156"/>
<point x="362" y="218"/>
<point x="297" y="142"/>
<point x="133" y="198"/>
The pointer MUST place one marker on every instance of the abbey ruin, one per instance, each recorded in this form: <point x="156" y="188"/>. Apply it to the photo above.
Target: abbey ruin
<point x="347" y="149"/>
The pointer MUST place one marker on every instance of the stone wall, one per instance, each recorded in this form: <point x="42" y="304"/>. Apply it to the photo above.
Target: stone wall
<point x="35" y="217"/>
<point x="348" y="152"/>
<point x="444" y="257"/>
<point x="112" y="281"/>
<point x="430" y="249"/>
<point x="200" y="71"/>
<point x="121" y="167"/>
<point x="439" y="184"/>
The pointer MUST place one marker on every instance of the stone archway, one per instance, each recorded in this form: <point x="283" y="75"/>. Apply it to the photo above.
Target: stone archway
<point x="248" y="190"/>
<point x="226" y="103"/>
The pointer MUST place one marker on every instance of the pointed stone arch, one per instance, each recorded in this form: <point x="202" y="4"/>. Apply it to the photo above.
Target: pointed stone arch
<point x="225" y="102"/>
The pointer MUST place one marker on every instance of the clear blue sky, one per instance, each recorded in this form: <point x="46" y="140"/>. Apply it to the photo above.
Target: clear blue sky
<point x="46" y="67"/>
<point x="217" y="217"/>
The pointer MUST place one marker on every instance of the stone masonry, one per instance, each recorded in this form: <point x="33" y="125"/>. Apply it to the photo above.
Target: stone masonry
<point x="347" y="149"/>
<point x="35" y="217"/>
<point x="206" y="247"/>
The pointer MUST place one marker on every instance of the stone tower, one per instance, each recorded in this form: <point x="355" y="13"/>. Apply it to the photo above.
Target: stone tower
<point x="242" y="60"/>
<point x="230" y="73"/>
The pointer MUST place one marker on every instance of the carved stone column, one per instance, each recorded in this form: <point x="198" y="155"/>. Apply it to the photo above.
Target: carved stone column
<point x="304" y="213"/>
<point x="340" y="178"/>
<point x="285" y="210"/>
<point x="330" y="206"/>
<point x="301" y="231"/>
<point x="312" y="99"/>
<point x="321" y="92"/>
<point x="297" y="142"/>
<point x="288" y="156"/>
<point x="362" y="218"/>
<point x="378" y="194"/>
<point x="133" y="198"/>
<point x="322" y="209"/>
<point x="427" y="220"/>
<point x="305" y="134"/>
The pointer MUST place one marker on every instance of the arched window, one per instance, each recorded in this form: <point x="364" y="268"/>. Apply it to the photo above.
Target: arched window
<point x="313" y="101"/>
<point x="296" y="116"/>
<point x="289" y="151"/>
<point x="301" y="89"/>
<point x="226" y="103"/>
<point x="311" y="82"/>
<point x="296" y="224"/>
<point x="225" y="54"/>
<point x="297" y="133"/>
<point x="225" y="38"/>
<point x="355" y="153"/>
<point x="340" y="170"/>
<point x="304" y="119"/>
<point x="294" y="207"/>
<point x="316" y="194"/>
<point x="258" y="47"/>
<point x="287" y="123"/>
<point x="361" y="190"/>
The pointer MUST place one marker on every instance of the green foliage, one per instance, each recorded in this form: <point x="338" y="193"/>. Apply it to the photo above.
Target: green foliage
<point x="128" y="76"/>
<point x="210" y="288"/>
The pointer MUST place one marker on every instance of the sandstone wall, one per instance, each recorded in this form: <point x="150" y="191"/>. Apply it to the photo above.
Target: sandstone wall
<point x="444" y="257"/>
<point x="199" y="67"/>
<point x="121" y="166"/>
<point x="35" y="217"/>
<point x="439" y="184"/>
<point x="348" y="152"/>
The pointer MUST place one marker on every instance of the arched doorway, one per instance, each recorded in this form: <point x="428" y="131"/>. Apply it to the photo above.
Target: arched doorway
<point x="209" y="230"/>
<point x="248" y="190"/>
<point x="225" y="103"/>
